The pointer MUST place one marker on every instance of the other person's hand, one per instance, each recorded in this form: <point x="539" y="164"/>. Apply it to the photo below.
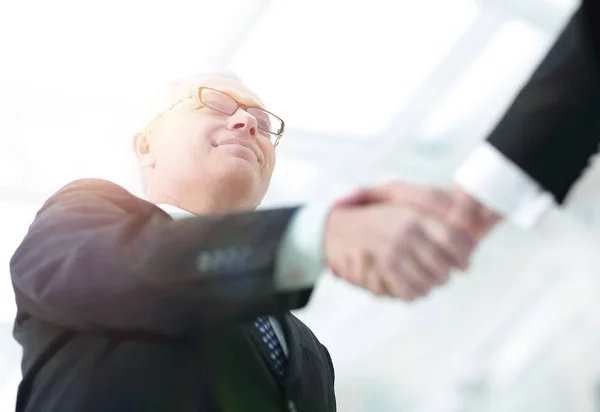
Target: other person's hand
<point x="455" y="207"/>
<point x="391" y="249"/>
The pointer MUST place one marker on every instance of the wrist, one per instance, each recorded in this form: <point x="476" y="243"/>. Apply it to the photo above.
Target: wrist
<point x="471" y="215"/>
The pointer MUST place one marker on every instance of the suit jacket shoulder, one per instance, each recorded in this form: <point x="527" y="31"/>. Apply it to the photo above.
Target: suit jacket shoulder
<point x="109" y="194"/>
<point x="99" y="257"/>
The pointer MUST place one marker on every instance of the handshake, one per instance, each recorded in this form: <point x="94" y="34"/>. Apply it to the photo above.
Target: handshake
<point x="402" y="239"/>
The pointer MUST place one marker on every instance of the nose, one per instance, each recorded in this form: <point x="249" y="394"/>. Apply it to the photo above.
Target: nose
<point x="241" y="120"/>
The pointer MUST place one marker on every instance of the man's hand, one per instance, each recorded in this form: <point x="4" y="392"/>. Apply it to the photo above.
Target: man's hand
<point x="391" y="249"/>
<point x="454" y="207"/>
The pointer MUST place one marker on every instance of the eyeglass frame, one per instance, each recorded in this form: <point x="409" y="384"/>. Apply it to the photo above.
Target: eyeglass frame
<point x="245" y="107"/>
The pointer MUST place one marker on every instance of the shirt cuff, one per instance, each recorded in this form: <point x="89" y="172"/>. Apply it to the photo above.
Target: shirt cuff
<point x="501" y="185"/>
<point x="300" y="260"/>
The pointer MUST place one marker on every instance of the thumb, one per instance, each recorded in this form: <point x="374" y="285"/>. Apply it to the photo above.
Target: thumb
<point x="357" y="198"/>
<point x="432" y="201"/>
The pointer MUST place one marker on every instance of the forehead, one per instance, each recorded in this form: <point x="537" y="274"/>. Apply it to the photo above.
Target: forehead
<point x="232" y="87"/>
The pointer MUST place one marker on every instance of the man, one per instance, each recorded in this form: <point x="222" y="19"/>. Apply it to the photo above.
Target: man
<point x="541" y="146"/>
<point x="181" y="302"/>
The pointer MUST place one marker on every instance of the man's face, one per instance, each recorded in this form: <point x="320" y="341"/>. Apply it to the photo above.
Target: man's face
<point x="191" y="148"/>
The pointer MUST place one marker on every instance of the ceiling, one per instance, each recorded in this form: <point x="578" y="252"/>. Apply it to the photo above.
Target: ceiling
<point x="370" y="91"/>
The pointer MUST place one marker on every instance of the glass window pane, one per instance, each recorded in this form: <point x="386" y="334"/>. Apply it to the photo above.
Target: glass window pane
<point x="347" y="67"/>
<point x="490" y="83"/>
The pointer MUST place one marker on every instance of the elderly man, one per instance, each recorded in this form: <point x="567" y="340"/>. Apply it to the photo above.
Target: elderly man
<point x="181" y="302"/>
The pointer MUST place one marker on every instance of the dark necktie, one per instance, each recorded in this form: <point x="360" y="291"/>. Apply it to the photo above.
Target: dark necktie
<point x="277" y="357"/>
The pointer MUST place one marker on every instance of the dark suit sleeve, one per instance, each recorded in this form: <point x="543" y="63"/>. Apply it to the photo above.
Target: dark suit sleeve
<point x="553" y="126"/>
<point x="97" y="257"/>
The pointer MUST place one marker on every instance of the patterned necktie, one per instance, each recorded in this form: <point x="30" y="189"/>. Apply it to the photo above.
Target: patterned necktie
<point x="274" y="349"/>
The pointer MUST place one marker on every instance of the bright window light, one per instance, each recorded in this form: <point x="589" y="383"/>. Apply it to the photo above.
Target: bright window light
<point x="347" y="67"/>
<point x="73" y="74"/>
<point x="118" y="47"/>
<point x="293" y="181"/>
<point x="537" y="329"/>
<point x="11" y="167"/>
<point x="14" y="220"/>
<point x="564" y="5"/>
<point x="497" y="74"/>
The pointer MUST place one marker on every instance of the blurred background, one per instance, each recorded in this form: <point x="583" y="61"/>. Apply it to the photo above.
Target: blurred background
<point x="369" y="91"/>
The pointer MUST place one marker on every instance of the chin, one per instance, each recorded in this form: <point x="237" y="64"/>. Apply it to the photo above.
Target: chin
<point x="238" y="176"/>
<point x="237" y="168"/>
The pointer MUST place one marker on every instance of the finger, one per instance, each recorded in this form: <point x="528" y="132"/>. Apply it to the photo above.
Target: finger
<point x="360" y="270"/>
<point x="371" y="280"/>
<point x="418" y="277"/>
<point x="405" y="276"/>
<point x="433" y="263"/>
<point x="348" y="269"/>
<point x="426" y="199"/>
<point x="472" y="216"/>
<point x="393" y="278"/>
<point x="364" y="267"/>
<point x="396" y="283"/>
<point x="413" y="275"/>
<point x="427" y="265"/>
<point x="465" y="214"/>
<point x="398" y="275"/>
<point x="429" y="200"/>
<point x="443" y="242"/>
<point x="358" y="197"/>
<point x="337" y="270"/>
<point x="374" y="282"/>
<point x="456" y="208"/>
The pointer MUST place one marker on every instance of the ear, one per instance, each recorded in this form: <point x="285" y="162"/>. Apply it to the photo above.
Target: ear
<point x="143" y="150"/>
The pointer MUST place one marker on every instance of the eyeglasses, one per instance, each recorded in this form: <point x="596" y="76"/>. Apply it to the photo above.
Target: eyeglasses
<point x="223" y="103"/>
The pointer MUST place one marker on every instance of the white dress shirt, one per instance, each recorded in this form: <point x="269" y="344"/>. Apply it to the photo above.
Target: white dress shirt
<point x="300" y="259"/>
<point x="501" y="185"/>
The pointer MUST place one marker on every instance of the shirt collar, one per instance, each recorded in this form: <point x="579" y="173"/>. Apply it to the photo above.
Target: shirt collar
<point x="174" y="211"/>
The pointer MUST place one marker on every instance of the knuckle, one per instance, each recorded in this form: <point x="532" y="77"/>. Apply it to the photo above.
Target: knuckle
<point x="437" y="195"/>
<point x="426" y="289"/>
<point x="421" y="289"/>
<point x="465" y="219"/>
<point x="450" y="239"/>
<point x="429" y="275"/>
<point x="403" y="294"/>
<point x="444" y="234"/>
<point x="409" y="227"/>
<point x="409" y="297"/>
<point x="443" y="271"/>
<point x="420" y="292"/>
<point x="378" y="290"/>
<point x="429" y="279"/>
<point x="441" y="276"/>
<point x="389" y="269"/>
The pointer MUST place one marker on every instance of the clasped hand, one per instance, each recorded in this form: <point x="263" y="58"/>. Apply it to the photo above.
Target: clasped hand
<point x="402" y="239"/>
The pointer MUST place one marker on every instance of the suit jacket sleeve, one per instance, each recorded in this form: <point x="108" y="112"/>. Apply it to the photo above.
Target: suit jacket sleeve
<point x="544" y="142"/>
<point x="99" y="257"/>
<point x="553" y="126"/>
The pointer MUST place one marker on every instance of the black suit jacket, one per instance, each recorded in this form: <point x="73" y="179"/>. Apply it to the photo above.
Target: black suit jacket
<point x="553" y="126"/>
<point x="116" y="313"/>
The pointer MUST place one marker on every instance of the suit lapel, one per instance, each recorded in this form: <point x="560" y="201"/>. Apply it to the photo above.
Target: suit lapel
<point x="293" y="335"/>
